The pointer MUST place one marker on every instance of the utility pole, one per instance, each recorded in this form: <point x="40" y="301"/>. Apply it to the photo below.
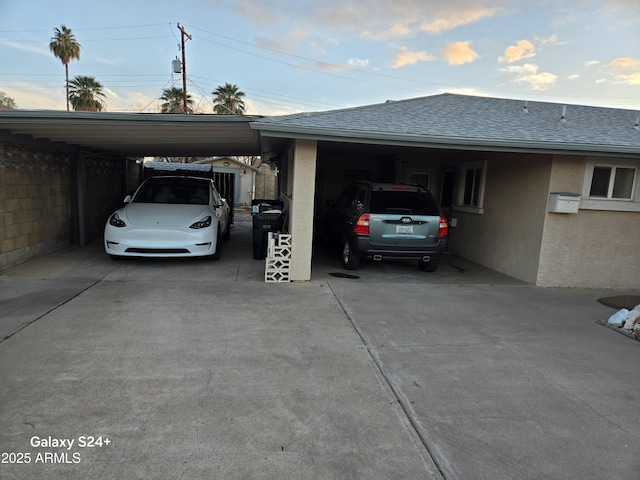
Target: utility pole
<point x="184" y="69"/>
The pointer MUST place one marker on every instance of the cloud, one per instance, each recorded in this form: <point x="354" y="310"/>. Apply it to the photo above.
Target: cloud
<point x="451" y="18"/>
<point x="394" y="31"/>
<point x="358" y="62"/>
<point x="522" y="50"/>
<point x="528" y="74"/>
<point x="409" y="17"/>
<point x="631" y="79"/>
<point x="331" y="67"/>
<point x="34" y="97"/>
<point x="377" y="20"/>
<point x="550" y="40"/>
<point x="625" y="63"/>
<point x="575" y="76"/>
<point x="408" y="57"/>
<point x="619" y="71"/>
<point x="25" y="47"/>
<point x="286" y="43"/>
<point x="627" y="71"/>
<point x="458" y="53"/>
<point x="352" y="63"/>
<point x="256" y="11"/>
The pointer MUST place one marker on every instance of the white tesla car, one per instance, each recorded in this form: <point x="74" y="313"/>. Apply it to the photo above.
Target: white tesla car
<point x="169" y="217"/>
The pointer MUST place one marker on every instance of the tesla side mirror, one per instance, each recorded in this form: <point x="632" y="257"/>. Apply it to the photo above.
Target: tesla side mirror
<point x="127" y="199"/>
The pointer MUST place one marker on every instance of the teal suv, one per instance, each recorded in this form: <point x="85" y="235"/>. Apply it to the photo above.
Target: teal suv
<point x="382" y="221"/>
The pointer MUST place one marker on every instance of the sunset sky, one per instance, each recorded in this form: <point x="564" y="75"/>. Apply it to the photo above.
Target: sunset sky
<point x="290" y="55"/>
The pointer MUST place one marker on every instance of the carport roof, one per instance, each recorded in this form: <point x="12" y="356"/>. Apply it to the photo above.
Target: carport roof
<point x="469" y="122"/>
<point x="441" y="121"/>
<point x="138" y="134"/>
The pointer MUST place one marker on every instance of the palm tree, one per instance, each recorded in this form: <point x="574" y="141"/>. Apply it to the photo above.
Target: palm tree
<point x="65" y="47"/>
<point x="173" y="99"/>
<point x="85" y="93"/>
<point x="227" y="100"/>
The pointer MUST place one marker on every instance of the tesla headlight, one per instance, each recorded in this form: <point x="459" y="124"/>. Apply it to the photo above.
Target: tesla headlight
<point x="204" y="223"/>
<point x="116" y="221"/>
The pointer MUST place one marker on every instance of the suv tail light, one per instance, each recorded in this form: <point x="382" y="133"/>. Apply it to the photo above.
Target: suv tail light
<point x="362" y="225"/>
<point x="443" y="228"/>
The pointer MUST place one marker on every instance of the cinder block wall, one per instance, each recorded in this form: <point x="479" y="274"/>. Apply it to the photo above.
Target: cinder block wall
<point x="39" y="198"/>
<point x="36" y="203"/>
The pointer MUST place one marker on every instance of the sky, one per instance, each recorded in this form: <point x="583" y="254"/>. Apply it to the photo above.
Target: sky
<point x="291" y="56"/>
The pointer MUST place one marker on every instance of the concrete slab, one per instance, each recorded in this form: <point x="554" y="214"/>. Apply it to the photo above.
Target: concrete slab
<point x="452" y="270"/>
<point x="201" y="370"/>
<point x="505" y="382"/>
<point x="192" y="370"/>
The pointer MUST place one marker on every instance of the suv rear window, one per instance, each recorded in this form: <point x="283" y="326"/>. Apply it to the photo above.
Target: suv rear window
<point x="403" y="202"/>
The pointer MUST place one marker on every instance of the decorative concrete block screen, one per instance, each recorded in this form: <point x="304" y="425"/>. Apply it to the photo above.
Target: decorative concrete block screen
<point x="278" y="261"/>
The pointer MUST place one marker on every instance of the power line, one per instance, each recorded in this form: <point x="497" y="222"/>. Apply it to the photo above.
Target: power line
<point x="121" y="27"/>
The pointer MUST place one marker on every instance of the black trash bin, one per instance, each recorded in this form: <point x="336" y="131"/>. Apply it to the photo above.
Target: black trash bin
<point x="268" y="216"/>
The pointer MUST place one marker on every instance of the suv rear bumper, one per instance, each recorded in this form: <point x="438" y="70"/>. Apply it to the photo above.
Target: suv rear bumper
<point x="366" y="249"/>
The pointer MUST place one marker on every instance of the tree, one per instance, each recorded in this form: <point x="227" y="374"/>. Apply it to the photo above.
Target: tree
<point x="65" y="47"/>
<point x="7" y="101"/>
<point x="85" y="93"/>
<point x="173" y="101"/>
<point x="227" y="100"/>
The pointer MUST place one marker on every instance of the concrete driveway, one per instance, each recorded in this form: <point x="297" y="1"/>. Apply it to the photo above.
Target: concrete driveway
<point x="200" y="370"/>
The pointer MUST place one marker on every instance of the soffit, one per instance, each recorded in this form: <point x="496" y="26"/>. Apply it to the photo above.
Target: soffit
<point x="134" y="134"/>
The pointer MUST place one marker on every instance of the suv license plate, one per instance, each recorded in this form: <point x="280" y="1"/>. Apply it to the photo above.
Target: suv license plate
<point x="404" y="229"/>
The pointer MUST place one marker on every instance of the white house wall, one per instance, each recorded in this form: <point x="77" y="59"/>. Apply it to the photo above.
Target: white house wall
<point x="507" y="237"/>
<point x="301" y="202"/>
<point x="593" y="248"/>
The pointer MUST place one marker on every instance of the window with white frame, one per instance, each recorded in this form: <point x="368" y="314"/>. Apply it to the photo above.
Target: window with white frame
<point x="611" y="185"/>
<point x="612" y="182"/>
<point x="420" y="177"/>
<point x="471" y="187"/>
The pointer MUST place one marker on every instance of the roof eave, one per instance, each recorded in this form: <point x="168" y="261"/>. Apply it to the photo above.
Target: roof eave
<point x="45" y="116"/>
<point x="435" y="141"/>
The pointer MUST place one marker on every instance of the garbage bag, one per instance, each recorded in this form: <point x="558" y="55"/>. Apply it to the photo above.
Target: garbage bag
<point x="618" y="318"/>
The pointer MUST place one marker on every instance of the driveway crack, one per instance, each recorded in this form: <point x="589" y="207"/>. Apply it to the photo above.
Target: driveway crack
<point x="405" y="408"/>
<point x="54" y="308"/>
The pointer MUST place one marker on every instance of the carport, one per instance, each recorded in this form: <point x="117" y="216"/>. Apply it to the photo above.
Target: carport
<point x="496" y="164"/>
<point x="72" y="143"/>
<point x="62" y="172"/>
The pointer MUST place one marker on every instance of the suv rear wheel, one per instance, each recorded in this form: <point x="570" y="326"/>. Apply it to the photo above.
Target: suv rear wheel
<point x="350" y="260"/>
<point x="430" y="266"/>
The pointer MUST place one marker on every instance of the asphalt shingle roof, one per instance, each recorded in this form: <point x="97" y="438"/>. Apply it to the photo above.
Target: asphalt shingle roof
<point x="463" y="117"/>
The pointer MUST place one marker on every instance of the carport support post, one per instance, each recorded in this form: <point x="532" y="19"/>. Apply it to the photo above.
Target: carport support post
<point x="301" y="208"/>
<point x="81" y="186"/>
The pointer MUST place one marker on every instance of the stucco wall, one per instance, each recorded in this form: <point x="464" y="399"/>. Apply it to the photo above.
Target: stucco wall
<point x="593" y="248"/>
<point x="36" y="200"/>
<point x="508" y="235"/>
<point x="303" y="195"/>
